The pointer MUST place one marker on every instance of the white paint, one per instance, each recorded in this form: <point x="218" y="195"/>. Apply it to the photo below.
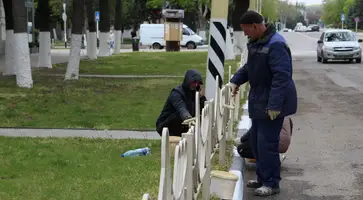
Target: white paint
<point x="72" y="72"/>
<point x="55" y="34"/>
<point x="92" y="45"/>
<point x="45" y="56"/>
<point x="22" y="60"/>
<point x="203" y="34"/>
<point x="104" y="47"/>
<point x="9" y="54"/>
<point x="238" y="42"/>
<point x="229" y="46"/>
<point x="210" y="80"/>
<point x="117" y="41"/>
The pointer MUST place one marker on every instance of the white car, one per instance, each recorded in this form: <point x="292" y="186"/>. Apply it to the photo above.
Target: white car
<point x="338" y="44"/>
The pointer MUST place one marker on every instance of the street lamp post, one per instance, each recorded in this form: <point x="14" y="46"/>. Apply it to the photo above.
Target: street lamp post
<point x="64" y="17"/>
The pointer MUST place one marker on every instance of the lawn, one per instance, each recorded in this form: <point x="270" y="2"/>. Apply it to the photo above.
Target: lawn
<point x="87" y="103"/>
<point x="146" y="63"/>
<point x="75" y="168"/>
<point x="97" y="103"/>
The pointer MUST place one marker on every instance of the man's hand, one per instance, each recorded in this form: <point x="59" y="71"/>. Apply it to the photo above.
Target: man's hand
<point x="233" y="87"/>
<point x="273" y="114"/>
<point x="201" y="91"/>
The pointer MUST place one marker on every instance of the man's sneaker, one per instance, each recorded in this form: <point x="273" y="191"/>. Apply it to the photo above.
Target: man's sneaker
<point x="253" y="184"/>
<point x="266" y="191"/>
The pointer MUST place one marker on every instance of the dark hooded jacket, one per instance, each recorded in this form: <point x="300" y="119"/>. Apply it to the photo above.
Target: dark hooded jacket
<point x="269" y="72"/>
<point x="179" y="106"/>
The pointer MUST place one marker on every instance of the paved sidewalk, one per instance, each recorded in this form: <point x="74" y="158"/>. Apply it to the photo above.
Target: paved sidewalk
<point x="106" y="134"/>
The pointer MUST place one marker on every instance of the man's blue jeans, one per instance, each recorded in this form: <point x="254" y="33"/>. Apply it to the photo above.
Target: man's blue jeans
<point x="265" y="138"/>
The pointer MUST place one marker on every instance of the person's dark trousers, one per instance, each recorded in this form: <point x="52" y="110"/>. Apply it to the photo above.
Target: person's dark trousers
<point x="264" y="138"/>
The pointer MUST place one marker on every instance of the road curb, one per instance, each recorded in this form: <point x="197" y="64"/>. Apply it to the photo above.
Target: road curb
<point x="237" y="162"/>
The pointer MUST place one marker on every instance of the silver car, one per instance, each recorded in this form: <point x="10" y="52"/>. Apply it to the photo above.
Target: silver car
<point x="340" y="44"/>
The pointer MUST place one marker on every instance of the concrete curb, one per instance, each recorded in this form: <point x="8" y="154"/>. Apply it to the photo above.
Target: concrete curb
<point x="62" y="133"/>
<point x="237" y="162"/>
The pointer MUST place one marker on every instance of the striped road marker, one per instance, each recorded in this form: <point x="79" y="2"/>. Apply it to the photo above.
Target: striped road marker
<point x="217" y="46"/>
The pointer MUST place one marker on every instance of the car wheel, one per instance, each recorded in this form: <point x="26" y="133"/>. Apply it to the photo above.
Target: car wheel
<point x="358" y="60"/>
<point x="156" y="46"/>
<point x="191" y="45"/>
<point x="318" y="58"/>
<point x="324" y="60"/>
<point x="350" y="60"/>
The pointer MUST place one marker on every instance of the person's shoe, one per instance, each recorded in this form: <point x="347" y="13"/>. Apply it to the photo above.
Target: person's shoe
<point x="253" y="184"/>
<point x="265" y="191"/>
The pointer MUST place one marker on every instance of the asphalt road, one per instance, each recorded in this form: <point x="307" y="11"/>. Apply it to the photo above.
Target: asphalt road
<point x="325" y="158"/>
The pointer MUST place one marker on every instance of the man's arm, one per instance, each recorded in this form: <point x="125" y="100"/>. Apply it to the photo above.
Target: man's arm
<point x="241" y="76"/>
<point x="279" y="62"/>
<point x="179" y="105"/>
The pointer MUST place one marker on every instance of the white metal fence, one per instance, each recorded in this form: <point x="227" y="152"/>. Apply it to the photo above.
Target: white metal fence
<point x="208" y="133"/>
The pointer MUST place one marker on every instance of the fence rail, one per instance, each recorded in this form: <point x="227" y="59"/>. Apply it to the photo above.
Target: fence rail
<point x="208" y="133"/>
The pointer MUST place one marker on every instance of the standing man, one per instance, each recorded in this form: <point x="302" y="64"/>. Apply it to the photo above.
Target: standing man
<point x="272" y="97"/>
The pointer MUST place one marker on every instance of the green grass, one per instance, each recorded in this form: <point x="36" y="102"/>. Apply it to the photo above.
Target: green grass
<point x="146" y="63"/>
<point x="99" y="103"/>
<point x="87" y="103"/>
<point x="76" y="169"/>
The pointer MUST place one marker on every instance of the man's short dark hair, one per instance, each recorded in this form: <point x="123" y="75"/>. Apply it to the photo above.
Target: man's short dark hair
<point x="251" y="17"/>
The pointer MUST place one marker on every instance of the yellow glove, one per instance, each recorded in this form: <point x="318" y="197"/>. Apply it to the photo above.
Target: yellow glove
<point x="273" y="114"/>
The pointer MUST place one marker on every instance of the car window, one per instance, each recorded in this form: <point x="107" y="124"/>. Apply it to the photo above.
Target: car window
<point x="185" y="32"/>
<point x="339" y="37"/>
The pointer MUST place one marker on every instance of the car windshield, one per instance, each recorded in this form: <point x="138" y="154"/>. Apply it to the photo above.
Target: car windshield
<point x="190" y="31"/>
<point x="339" y="37"/>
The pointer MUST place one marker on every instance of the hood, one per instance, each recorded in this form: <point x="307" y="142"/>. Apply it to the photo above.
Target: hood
<point x="342" y="44"/>
<point x="190" y="76"/>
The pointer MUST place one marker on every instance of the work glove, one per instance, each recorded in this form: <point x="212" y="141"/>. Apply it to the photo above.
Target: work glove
<point x="233" y="87"/>
<point x="190" y="121"/>
<point x="273" y="114"/>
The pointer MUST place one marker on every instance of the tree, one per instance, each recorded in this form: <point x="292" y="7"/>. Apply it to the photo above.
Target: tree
<point x="44" y="12"/>
<point x="76" y="41"/>
<point x="104" y="28"/>
<point x="117" y="25"/>
<point x="91" y="35"/>
<point x="239" y="8"/>
<point x="20" y="42"/>
<point x="9" y="42"/>
<point x="269" y="9"/>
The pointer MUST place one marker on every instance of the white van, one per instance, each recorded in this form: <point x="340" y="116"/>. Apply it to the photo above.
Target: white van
<point x="153" y="35"/>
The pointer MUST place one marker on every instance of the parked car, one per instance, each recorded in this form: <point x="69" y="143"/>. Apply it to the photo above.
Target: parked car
<point x="338" y="44"/>
<point x="313" y="28"/>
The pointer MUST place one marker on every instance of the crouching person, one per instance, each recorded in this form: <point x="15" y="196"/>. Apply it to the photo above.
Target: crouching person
<point x="245" y="150"/>
<point x="180" y="104"/>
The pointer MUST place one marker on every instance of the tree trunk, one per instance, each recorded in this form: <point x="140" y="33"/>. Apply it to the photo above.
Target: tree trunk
<point x="21" y="53"/>
<point x="76" y="41"/>
<point x="117" y="25"/>
<point x="240" y="7"/>
<point x="104" y="28"/>
<point x="92" y="34"/>
<point x="44" y="59"/>
<point x="9" y="42"/>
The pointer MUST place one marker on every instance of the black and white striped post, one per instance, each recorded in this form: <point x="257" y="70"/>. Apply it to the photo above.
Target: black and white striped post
<point x="217" y="46"/>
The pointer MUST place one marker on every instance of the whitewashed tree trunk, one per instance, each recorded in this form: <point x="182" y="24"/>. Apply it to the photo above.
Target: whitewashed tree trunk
<point x="72" y="72"/>
<point x="45" y="56"/>
<point x="9" y="54"/>
<point x="229" y="46"/>
<point x="55" y="35"/>
<point x="117" y="41"/>
<point x="92" y="45"/>
<point x="22" y="60"/>
<point x="104" y="48"/>
<point x="238" y="42"/>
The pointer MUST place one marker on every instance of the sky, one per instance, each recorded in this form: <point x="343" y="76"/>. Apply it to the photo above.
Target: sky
<point x="307" y="2"/>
